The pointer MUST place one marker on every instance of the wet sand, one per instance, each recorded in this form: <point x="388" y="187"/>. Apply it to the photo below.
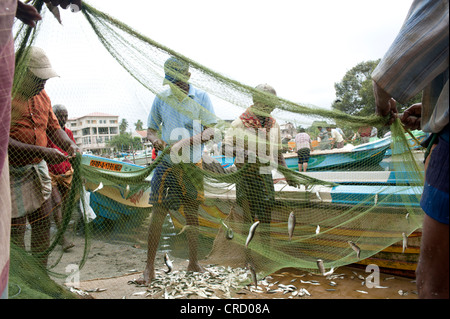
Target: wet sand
<point x="110" y="268"/>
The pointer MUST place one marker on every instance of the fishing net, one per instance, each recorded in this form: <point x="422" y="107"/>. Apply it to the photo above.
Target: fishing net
<point x="228" y="201"/>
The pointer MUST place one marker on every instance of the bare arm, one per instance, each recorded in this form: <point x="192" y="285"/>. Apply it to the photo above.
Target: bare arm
<point x="152" y="136"/>
<point x="18" y="149"/>
<point x="61" y="139"/>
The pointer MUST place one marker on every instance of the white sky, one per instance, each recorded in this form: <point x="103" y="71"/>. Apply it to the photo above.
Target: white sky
<point x="300" y="47"/>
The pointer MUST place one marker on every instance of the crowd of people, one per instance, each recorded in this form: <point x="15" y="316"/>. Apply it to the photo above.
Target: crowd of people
<point x="35" y="148"/>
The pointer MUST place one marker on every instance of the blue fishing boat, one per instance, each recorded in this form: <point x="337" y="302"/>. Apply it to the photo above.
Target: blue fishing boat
<point x="348" y="157"/>
<point x="413" y="143"/>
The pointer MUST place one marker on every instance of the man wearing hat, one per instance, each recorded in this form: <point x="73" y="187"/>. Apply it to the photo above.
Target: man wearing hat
<point x="337" y="141"/>
<point x="183" y="116"/>
<point x="255" y="138"/>
<point x="32" y="119"/>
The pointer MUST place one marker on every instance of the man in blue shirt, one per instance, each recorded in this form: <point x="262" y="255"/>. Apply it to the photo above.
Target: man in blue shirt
<point x="184" y="116"/>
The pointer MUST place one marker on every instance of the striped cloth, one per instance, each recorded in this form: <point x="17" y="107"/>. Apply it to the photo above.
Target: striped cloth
<point x="418" y="60"/>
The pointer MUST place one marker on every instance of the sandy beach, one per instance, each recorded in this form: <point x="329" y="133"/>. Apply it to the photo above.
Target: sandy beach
<point x="111" y="269"/>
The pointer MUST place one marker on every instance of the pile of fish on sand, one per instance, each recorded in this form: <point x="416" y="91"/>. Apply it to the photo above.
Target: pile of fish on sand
<point x="220" y="282"/>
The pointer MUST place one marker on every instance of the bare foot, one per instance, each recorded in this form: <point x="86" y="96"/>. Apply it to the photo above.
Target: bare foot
<point x="147" y="276"/>
<point x="195" y="267"/>
<point x="67" y="245"/>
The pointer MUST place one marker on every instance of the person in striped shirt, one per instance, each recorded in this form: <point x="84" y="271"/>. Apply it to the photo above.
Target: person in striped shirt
<point x="418" y="60"/>
<point x="303" y="145"/>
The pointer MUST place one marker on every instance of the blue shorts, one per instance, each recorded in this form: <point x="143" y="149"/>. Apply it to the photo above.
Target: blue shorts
<point x="434" y="200"/>
<point x="174" y="185"/>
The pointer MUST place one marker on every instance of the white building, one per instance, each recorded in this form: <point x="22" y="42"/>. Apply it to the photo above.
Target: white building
<point x="288" y="129"/>
<point x="92" y="131"/>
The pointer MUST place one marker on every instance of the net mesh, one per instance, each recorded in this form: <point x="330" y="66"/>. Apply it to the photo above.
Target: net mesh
<point x="237" y="204"/>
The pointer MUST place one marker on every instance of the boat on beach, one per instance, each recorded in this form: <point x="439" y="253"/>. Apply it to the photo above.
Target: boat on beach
<point x="377" y="189"/>
<point x="362" y="157"/>
<point x="348" y="157"/>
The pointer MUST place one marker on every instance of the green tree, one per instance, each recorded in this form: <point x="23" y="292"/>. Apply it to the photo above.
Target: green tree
<point x="121" y="142"/>
<point x="354" y="93"/>
<point x="139" y="125"/>
<point x="123" y="126"/>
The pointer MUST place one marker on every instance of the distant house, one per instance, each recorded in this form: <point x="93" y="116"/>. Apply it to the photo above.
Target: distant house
<point x="93" y="131"/>
<point x="141" y="134"/>
<point x="287" y="129"/>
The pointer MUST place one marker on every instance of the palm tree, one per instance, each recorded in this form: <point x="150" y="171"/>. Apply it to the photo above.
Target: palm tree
<point x="139" y="125"/>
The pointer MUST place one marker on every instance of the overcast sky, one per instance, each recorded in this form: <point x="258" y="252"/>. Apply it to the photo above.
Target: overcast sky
<point x="299" y="47"/>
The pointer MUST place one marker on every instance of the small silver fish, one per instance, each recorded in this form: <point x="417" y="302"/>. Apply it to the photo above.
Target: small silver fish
<point x="320" y="266"/>
<point x="229" y="234"/>
<point x="55" y="11"/>
<point x="253" y="273"/>
<point x="318" y="196"/>
<point x="100" y="186"/>
<point x="405" y="242"/>
<point x="330" y="272"/>
<point x="291" y="225"/>
<point x="362" y="291"/>
<point x="251" y="233"/>
<point x="355" y="248"/>
<point x="168" y="263"/>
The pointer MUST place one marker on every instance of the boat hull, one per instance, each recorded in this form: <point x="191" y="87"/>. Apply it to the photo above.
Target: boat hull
<point x="360" y="157"/>
<point x="111" y="202"/>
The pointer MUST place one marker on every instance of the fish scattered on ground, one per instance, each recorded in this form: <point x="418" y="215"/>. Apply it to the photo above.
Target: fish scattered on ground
<point x="329" y="272"/>
<point x="311" y="282"/>
<point x="362" y="291"/>
<point x="291" y="225"/>
<point x="215" y="282"/>
<point x="251" y="233"/>
<point x="355" y="248"/>
<point x="168" y="263"/>
<point x="96" y="290"/>
<point x="320" y="266"/>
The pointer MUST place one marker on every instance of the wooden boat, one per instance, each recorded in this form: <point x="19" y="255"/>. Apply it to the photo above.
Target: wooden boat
<point x="377" y="189"/>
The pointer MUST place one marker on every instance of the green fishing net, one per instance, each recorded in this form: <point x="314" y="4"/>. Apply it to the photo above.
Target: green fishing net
<point x="213" y="206"/>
